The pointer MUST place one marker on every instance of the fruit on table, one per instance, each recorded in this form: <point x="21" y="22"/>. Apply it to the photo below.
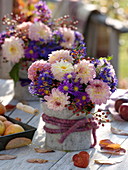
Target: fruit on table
<point x="123" y="111"/>
<point x="2" y="109"/>
<point x="81" y="159"/>
<point x="14" y="128"/>
<point x="7" y="123"/>
<point x="2" y="118"/>
<point x="2" y="128"/>
<point x="118" y="102"/>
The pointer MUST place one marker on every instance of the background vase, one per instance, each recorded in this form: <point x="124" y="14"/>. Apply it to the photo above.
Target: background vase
<point x="74" y="141"/>
<point x="21" y="92"/>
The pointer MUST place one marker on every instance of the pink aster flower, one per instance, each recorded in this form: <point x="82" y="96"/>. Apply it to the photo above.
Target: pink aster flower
<point x="38" y="31"/>
<point x="85" y="71"/>
<point x="37" y="66"/>
<point x="69" y="37"/>
<point x="57" y="100"/>
<point x="60" y="54"/>
<point x="98" y="91"/>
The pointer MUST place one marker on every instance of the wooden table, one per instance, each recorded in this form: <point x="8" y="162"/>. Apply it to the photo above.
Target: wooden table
<point x="58" y="160"/>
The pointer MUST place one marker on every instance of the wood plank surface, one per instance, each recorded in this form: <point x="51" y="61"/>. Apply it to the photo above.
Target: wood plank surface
<point x="60" y="160"/>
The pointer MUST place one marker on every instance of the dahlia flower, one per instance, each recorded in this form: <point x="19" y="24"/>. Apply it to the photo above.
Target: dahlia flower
<point x="85" y="71"/>
<point x="38" y="31"/>
<point x="57" y="100"/>
<point x="37" y="66"/>
<point x="60" y="54"/>
<point x="60" y="68"/>
<point x="23" y="27"/>
<point x="12" y="49"/>
<point x="98" y="91"/>
<point x="68" y="36"/>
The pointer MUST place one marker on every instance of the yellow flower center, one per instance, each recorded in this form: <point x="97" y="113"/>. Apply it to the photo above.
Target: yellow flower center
<point x="83" y="97"/>
<point x="41" y="33"/>
<point x="69" y="76"/>
<point x="12" y="49"/>
<point x="76" y="88"/>
<point x="31" y="51"/>
<point x="63" y="67"/>
<point x="46" y="92"/>
<point x="65" y="88"/>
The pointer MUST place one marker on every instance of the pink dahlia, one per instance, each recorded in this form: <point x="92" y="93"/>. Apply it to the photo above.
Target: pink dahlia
<point x="85" y="71"/>
<point x="23" y="27"/>
<point x="98" y="91"/>
<point x="69" y="37"/>
<point x="37" y="66"/>
<point x="57" y="100"/>
<point x="60" y="54"/>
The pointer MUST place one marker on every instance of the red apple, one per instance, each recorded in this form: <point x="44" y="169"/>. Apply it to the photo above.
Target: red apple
<point x="123" y="111"/>
<point x="119" y="102"/>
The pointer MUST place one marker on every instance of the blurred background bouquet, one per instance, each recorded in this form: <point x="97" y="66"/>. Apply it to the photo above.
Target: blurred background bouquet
<point x="69" y="79"/>
<point x="32" y="38"/>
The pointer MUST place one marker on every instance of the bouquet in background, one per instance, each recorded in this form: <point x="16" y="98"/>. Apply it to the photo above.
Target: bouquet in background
<point x="69" y="79"/>
<point x="29" y="39"/>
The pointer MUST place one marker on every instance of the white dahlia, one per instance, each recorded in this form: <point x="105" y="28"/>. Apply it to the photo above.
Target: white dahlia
<point x="12" y="49"/>
<point x="61" y="68"/>
<point x="38" y="31"/>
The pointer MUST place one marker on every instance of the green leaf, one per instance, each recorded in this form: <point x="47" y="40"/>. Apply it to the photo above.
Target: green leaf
<point x="109" y="58"/>
<point x="14" y="73"/>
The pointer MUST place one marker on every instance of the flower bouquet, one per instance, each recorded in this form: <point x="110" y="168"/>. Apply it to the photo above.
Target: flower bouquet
<point x="70" y="85"/>
<point x="29" y="39"/>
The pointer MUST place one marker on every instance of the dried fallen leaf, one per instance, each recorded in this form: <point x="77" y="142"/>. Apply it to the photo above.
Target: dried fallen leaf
<point x="118" y="131"/>
<point x="7" y="157"/>
<point x="107" y="161"/>
<point x="109" y="147"/>
<point x="10" y="107"/>
<point x="113" y="152"/>
<point x="42" y="150"/>
<point x="41" y="161"/>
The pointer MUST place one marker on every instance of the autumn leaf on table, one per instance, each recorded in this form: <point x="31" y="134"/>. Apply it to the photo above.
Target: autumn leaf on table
<point x="43" y="150"/>
<point x="107" y="146"/>
<point x="7" y="157"/>
<point x="107" y="161"/>
<point x="118" y="131"/>
<point x="41" y="161"/>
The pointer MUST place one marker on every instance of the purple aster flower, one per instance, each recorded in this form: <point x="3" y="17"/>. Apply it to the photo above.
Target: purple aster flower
<point x="30" y="54"/>
<point x="43" y="12"/>
<point x="106" y="73"/>
<point x="81" y="98"/>
<point x="32" y="89"/>
<point x="65" y="87"/>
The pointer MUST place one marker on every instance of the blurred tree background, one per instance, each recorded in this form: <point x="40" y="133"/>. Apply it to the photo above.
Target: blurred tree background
<point x="117" y="9"/>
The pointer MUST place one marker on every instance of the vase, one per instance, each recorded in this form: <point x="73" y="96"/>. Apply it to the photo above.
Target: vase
<point x="65" y="131"/>
<point x="21" y="91"/>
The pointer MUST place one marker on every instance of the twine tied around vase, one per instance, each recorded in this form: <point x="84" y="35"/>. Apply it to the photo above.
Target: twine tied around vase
<point x="67" y="126"/>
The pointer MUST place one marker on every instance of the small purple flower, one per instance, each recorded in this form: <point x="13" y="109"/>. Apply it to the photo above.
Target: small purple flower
<point x="65" y="87"/>
<point x="82" y="98"/>
<point x="43" y="12"/>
